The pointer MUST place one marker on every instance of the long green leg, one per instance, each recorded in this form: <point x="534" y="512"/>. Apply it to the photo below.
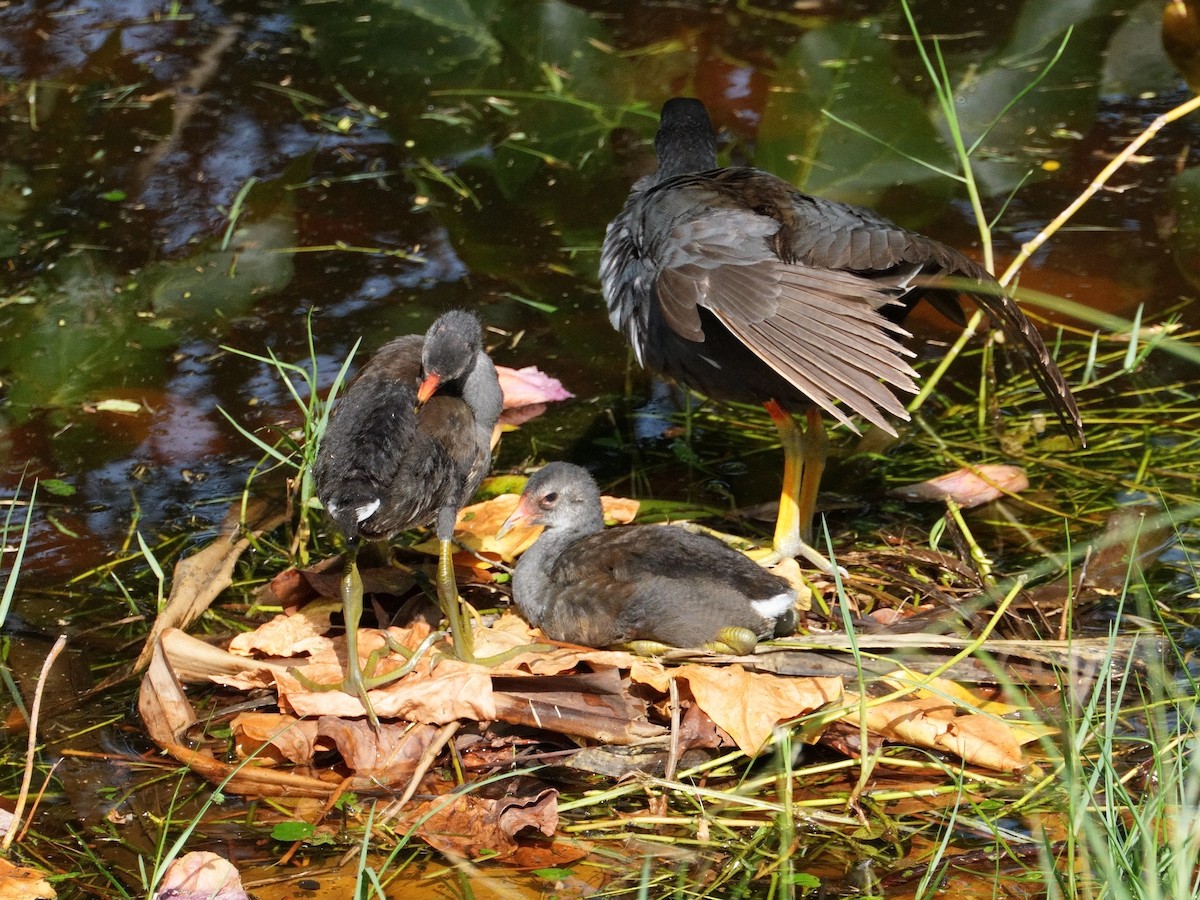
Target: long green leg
<point x="353" y="681"/>
<point x="447" y="593"/>
<point x="460" y="624"/>
<point x="358" y="680"/>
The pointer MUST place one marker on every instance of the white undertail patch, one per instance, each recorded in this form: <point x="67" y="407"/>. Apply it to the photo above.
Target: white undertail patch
<point x="774" y="607"/>
<point x="364" y="512"/>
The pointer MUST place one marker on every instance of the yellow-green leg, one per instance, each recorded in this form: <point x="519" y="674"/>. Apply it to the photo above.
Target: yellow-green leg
<point x="447" y="594"/>
<point x="460" y="624"/>
<point x="358" y="680"/>
<point x="733" y="640"/>
<point x="354" y="682"/>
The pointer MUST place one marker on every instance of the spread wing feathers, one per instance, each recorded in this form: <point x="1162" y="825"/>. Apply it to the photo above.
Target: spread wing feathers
<point x="723" y="258"/>
<point x="850" y="238"/>
<point x="747" y="293"/>
<point x="828" y="339"/>
<point x="1004" y="313"/>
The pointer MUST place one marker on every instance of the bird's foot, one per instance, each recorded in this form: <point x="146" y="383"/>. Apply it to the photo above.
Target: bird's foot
<point x="734" y="640"/>
<point x="796" y="547"/>
<point x="489" y="662"/>
<point x="471" y="618"/>
<point x="358" y="680"/>
<point x="646" y="647"/>
<point x="411" y="658"/>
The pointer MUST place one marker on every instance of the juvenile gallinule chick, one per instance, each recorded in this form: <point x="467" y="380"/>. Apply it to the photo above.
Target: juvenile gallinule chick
<point x="733" y="283"/>
<point x="408" y="444"/>
<point x="639" y="583"/>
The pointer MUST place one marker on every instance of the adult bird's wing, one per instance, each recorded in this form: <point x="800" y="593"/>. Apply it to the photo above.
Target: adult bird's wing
<point x="834" y="235"/>
<point x="820" y="329"/>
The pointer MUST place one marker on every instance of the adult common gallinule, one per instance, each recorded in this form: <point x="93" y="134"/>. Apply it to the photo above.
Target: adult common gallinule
<point x="649" y="583"/>
<point x="732" y="282"/>
<point x="408" y="444"/>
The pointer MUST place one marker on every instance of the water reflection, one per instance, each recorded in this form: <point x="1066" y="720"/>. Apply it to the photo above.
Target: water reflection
<point x="166" y="172"/>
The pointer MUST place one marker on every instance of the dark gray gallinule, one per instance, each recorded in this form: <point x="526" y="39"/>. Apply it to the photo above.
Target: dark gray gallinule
<point x="408" y="444"/>
<point x="639" y="583"/>
<point x="735" y="284"/>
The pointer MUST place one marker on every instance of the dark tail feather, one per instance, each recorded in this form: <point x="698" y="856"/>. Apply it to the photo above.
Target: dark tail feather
<point x="1024" y="338"/>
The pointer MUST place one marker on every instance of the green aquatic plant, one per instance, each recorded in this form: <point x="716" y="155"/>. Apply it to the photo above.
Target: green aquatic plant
<point x="294" y="451"/>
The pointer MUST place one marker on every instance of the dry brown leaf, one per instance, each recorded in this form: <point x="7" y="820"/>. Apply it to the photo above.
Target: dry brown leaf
<point x="936" y="723"/>
<point x="161" y="701"/>
<point x="537" y="810"/>
<point x="552" y="856"/>
<point x="478" y="523"/>
<point x="384" y="757"/>
<point x="968" y="700"/>
<point x="200" y="578"/>
<point x="192" y="659"/>
<point x="510" y="631"/>
<point x="294" y="588"/>
<point x="747" y="705"/>
<point x="17" y="883"/>
<point x="291" y="589"/>
<point x="619" y="510"/>
<point x="454" y="690"/>
<point x="284" y="636"/>
<point x="471" y="826"/>
<point x="273" y="738"/>
<point x="201" y="875"/>
<point x="968" y="487"/>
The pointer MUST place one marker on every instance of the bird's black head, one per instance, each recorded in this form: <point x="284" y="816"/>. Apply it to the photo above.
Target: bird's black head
<point x="685" y="141"/>
<point x="452" y="344"/>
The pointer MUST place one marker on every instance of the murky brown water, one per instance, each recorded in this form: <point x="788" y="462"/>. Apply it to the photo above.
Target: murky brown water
<point x="398" y="166"/>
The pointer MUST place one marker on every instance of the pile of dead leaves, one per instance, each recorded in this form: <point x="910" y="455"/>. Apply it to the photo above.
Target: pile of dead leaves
<point x="565" y="701"/>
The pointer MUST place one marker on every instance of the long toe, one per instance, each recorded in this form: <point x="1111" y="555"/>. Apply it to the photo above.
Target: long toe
<point x="647" y="648"/>
<point x="734" y="639"/>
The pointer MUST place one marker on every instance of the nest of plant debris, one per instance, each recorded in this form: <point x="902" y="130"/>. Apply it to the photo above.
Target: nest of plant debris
<point x="922" y="668"/>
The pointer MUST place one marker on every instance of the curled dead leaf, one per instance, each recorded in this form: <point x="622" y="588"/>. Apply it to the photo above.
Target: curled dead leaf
<point x="273" y="738"/>
<point x="478" y="523"/>
<point x="936" y="723"/>
<point x="386" y="756"/>
<point x="18" y="883"/>
<point x="198" y="579"/>
<point x="283" y="636"/>
<point x="471" y="826"/>
<point x="723" y="692"/>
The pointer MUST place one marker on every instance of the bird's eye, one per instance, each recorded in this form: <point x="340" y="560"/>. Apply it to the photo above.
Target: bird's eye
<point x="550" y="499"/>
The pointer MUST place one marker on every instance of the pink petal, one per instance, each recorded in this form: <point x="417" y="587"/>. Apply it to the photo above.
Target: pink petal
<point x="527" y="386"/>
<point x="968" y="487"/>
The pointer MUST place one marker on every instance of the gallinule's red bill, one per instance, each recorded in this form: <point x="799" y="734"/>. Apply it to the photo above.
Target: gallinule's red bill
<point x="735" y="284"/>
<point x="657" y="584"/>
<point x="408" y="444"/>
